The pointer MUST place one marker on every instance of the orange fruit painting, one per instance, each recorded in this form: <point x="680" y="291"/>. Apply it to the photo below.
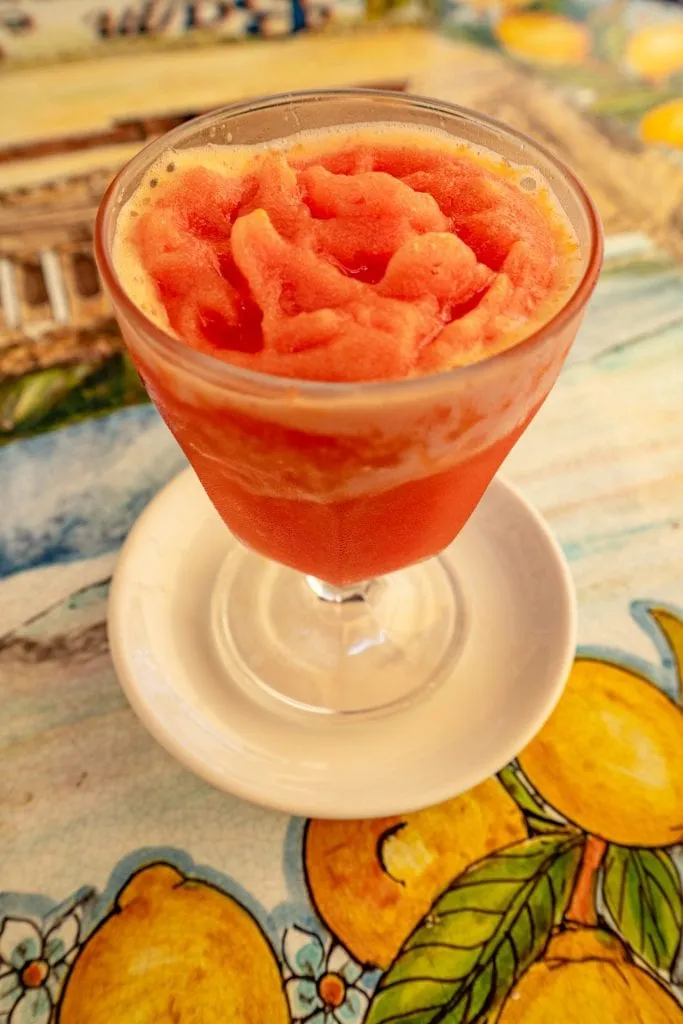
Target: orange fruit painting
<point x="372" y="881"/>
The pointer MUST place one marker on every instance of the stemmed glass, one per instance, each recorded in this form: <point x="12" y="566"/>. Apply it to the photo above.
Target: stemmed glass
<point x="342" y="496"/>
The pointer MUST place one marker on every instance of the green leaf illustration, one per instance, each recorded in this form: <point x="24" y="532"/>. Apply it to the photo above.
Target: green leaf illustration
<point x="539" y="818"/>
<point x="52" y="398"/>
<point x="28" y="399"/>
<point x="642" y="891"/>
<point x="488" y="927"/>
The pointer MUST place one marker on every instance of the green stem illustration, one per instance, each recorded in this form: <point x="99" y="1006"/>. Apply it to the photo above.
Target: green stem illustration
<point x="582" y="906"/>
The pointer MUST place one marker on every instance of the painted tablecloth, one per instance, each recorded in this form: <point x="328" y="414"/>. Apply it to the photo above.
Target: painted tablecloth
<point x="133" y="892"/>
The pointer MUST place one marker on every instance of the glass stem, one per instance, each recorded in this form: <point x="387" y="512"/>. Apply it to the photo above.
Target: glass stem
<point x="338" y="595"/>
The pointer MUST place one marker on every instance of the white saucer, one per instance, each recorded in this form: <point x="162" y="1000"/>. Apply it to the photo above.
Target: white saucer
<point x="510" y="671"/>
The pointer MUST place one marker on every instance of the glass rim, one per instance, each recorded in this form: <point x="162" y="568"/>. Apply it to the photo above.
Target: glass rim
<point x="221" y="372"/>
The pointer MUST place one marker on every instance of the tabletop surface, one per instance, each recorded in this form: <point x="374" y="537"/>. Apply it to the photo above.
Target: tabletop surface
<point x="133" y="892"/>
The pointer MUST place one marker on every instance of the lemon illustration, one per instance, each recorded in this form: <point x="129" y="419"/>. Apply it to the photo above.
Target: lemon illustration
<point x="610" y="759"/>
<point x="373" y="881"/>
<point x="585" y="977"/>
<point x="664" y="124"/>
<point x="656" y="51"/>
<point x="540" y="37"/>
<point x="670" y="625"/>
<point x="174" y="950"/>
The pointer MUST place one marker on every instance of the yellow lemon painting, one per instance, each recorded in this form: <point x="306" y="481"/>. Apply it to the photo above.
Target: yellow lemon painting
<point x="587" y="970"/>
<point x="663" y="124"/>
<point x="174" y="949"/>
<point x="612" y="725"/>
<point x="656" y="51"/>
<point x="539" y="37"/>
<point x="573" y="913"/>
<point x="550" y="894"/>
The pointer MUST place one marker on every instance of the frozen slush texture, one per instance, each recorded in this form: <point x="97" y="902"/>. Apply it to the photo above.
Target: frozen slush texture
<point x="370" y="255"/>
<point x="348" y="258"/>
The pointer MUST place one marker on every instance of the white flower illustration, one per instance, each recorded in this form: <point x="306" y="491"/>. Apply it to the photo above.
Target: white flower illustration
<point x="33" y="966"/>
<point x="322" y="988"/>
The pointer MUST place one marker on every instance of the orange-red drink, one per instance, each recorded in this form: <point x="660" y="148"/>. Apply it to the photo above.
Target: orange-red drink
<point x="343" y="329"/>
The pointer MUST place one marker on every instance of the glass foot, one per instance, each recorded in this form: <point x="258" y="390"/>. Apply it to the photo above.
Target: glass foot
<point x="336" y="651"/>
